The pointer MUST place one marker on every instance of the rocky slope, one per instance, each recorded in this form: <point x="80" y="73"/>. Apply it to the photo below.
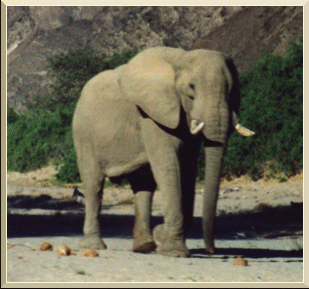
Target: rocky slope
<point x="246" y="32"/>
<point x="36" y="32"/>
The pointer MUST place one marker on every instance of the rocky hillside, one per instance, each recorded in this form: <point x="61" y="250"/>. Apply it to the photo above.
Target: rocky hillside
<point x="246" y="32"/>
<point x="36" y="32"/>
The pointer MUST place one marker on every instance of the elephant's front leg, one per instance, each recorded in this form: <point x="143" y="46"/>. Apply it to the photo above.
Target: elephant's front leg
<point x="161" y="150"/>
<point x="169" y="237"/>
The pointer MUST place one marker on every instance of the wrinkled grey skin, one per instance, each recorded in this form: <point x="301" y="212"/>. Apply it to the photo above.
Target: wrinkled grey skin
<point x="144" y="120"/>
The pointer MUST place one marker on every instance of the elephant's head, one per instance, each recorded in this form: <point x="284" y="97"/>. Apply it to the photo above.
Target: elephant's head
<point x="208" y="85"/>
<point x="205" y="84"/>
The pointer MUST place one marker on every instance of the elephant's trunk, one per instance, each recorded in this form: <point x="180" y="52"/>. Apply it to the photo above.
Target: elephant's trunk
<point x="213" y="162"/>
<point x="214" y="153"/>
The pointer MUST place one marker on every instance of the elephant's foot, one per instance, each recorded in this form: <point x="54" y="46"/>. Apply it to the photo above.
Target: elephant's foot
<point x="143" y="242"/>
<point x="167" y="245"/>
<point x="92" y="241"/>
<point x="144" y="245"/>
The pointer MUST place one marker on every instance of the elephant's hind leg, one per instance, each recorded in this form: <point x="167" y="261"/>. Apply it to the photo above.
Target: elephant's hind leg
<point x="143" y="241"/>
<point x="93" y="191"/>
<point x="143" y="186"/>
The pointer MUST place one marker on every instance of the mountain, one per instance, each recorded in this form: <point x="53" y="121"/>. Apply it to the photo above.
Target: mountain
<point x="251" y="29"/>
<point x="34" y="32"/>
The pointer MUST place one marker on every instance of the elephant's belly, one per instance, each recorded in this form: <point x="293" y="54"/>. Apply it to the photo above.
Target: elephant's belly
<point x="121" y="151"/>
<point x="126" y="166"/>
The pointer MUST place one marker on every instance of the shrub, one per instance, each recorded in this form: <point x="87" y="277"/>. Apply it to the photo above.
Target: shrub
<point x="272" y="106"/>
<point x="12" y="116"/>
<point x="37" y="137"/>
<point x="69" y="173"/>
<point x="71" y="71"/>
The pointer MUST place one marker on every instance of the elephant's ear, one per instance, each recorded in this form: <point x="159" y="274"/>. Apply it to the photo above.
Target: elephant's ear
<point x="234" y="100"/>
<point x="148" y="80"/>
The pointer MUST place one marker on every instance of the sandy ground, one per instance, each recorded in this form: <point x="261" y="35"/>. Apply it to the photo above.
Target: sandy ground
<point x="261" y="222"/>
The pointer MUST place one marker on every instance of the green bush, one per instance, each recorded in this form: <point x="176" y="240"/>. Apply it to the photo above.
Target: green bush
<point x="272" y="106"/>
<point x="69" y="173"/>
<point x="12" y="116"/>
<point x="71" y="71"/>
<point x="37" y="137"/>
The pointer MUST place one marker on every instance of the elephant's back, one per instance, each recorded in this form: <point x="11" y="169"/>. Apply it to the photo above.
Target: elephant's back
<point x="102" y="86"/>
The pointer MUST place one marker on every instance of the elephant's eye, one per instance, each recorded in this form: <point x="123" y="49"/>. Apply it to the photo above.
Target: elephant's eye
<point x="192" y="87"/>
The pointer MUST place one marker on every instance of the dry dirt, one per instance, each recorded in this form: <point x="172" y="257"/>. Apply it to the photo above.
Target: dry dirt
<point x="261" y="222"/>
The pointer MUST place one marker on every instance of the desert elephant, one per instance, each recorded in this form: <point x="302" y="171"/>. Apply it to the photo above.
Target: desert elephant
<point x="146" y="121"/>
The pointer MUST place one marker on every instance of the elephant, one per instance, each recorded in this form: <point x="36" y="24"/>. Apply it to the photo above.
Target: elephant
<point x="146" y="121"/>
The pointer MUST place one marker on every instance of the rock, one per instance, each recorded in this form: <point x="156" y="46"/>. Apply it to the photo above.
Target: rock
<point x="64" y="250"/>
<point x="240" y="262"/>
<point x="252" y="29"/>
<point x="46" y="247"/>
<point x="49" y="17"/>
<point x="224" y="192"/>
<point x="89" y="253"/>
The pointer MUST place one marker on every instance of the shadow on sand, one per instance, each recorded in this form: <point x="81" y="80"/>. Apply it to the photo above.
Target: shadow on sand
<point x="268" y="223"/>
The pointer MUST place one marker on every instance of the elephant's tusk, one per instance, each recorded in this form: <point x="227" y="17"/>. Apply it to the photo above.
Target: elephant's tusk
<point x="195" y="126"/>
<point x="244" y="131"/>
